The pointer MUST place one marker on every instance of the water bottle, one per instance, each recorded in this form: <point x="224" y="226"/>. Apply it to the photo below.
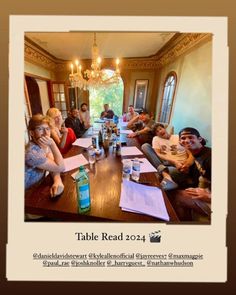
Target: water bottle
<point x="91" y="155"/>
<point x="136" y="169"/>
<point x="106" y="143"/>
<point x="124" y="117"/>
<point x="94" y="141"/>
<point x="82" y="189"/>
<point x="100" y="139"/>
<point x="113" y="141"/>
<point x="127" y="169"/>
<point x="115" y="119"/>
<point x="118" y="131"/>
<point x="118" y="147"/>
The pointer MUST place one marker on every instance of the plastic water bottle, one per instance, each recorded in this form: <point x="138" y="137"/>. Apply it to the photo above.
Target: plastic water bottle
<point x="136" y="169"/>
<point x="94" y="141"/>
<point x="82" y="189"/>
<point x="118" y="147"/>
<point x="113" y="141"/>
<point x="124" y="117"/>
<point x="118" y="131"/>
<point x="91" y="155"/>
<point x="127" y="169"/>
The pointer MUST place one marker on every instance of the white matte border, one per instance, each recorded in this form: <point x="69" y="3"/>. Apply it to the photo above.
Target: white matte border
<point x="24" y="239"/>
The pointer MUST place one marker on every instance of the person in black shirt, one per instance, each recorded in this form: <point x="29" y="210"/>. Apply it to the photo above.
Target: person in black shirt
<point x="196" y="198"/>
<point x="107" y="113"/>
<point x="73" y="121"/>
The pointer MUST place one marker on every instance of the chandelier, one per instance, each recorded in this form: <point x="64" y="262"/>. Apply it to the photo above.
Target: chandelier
<point x="94" y="77"/>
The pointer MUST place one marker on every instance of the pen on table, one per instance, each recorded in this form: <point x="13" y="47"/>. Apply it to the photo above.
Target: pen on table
<point x="139" y="161"/>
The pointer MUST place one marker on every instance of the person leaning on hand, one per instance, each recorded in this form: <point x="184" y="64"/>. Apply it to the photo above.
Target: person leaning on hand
<point x="63" y="136"/>
<point x="142" y="126"/>
<point x="41" y="155"/>
<point x="197" y="197"/>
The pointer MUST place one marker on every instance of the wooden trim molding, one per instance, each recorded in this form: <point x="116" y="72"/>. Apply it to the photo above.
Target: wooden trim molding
<point x="173" y="49"/>
<point x="36" y="56"/>
<point x="178" y="45"/>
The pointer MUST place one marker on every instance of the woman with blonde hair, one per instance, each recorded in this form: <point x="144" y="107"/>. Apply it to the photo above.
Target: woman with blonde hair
<point x="64" y="137"/>
<point x="41" y="155"/>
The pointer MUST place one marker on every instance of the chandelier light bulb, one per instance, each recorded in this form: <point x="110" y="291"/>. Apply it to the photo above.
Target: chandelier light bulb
<point x="95" y="76"/>
<point x="72" y="68"/>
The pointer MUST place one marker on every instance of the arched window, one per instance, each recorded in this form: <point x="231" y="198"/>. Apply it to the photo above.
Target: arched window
<point x="113" y="95"/>
<point x="168" y="97"/>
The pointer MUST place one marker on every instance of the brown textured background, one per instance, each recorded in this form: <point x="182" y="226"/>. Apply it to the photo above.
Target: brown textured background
<point x="119" y="7"/>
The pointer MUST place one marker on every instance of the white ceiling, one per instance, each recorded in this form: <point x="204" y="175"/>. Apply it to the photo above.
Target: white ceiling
<point x="68" y="46"/>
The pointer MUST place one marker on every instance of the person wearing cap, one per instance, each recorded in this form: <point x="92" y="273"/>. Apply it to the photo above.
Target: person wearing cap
<point x="195" y="200"/>
<point x="168" y="156"/>
<point x="142" y="126"/>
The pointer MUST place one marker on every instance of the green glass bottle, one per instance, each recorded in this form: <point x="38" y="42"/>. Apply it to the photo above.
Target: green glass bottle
<point x="82" y="189"/>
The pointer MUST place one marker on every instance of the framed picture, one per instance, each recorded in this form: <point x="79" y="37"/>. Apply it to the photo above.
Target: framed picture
<point x="140" y="94"/>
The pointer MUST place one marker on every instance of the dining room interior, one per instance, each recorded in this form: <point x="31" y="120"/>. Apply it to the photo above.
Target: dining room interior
<point x="166" y="74"/>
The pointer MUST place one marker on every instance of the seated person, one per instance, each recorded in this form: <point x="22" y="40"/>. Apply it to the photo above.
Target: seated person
<point x="195" y="201"/>
<point x="64" y="137"/>
<point x="107" y="113"/>
<point x="166" y="151"/>
<point x="41" y="155"/>
<point x="74" y="122"/>
<point x="131" y="114"/>
<point x="84" y="115"/>
<point x="142" y="126"/>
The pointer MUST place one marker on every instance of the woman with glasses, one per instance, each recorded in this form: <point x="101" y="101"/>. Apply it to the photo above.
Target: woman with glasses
<point x="64" y="137"/>
<point x="42" y="154"/>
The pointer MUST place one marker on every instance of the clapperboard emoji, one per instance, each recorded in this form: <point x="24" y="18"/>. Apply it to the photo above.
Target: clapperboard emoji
<point x="155" y="237"/>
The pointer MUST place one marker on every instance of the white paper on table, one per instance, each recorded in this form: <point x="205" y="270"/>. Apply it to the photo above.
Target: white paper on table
<point x="126" y="131"/>
<point x="83" y="142"/>
<point x="123" y="124"/>
<point x="130" y="151"/>
<point x="74" y="162"/>
<point x="139" y="198"/>
<point x="146" y="166"/>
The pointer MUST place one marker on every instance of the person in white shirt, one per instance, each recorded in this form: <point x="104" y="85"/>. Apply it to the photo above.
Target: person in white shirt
<point x="84" y="115"/>
<point x="168" y="156"/>
<point x="131" y="114"/>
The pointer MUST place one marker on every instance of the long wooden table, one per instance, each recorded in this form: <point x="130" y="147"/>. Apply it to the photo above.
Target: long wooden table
<point x="105" y="188"/>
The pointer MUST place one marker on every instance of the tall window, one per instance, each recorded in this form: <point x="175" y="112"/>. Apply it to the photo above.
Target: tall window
<point x="113" y="95"/>
<point x="168" y="97"/>
<point x="59" y="98"/>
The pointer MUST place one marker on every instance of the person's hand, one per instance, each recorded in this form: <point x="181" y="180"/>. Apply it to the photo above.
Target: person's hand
<point x="131" y="135"/>
<point x="178" y="165"/>
<point x="184" y="168"/>
<point x="64" y="130"/>
<point x="202" y="194"/>
<point x="45" y="141"/>
<point x="56" y="189"/>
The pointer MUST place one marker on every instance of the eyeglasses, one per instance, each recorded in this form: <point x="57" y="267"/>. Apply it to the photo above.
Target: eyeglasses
<point x="41" y="129"/>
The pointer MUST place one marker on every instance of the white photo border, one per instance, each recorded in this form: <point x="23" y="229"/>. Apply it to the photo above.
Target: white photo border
<point x="210" y="240"/>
